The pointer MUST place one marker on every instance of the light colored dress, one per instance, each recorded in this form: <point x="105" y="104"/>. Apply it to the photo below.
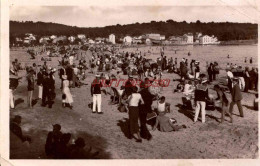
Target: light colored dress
<point x="66" y="91"/>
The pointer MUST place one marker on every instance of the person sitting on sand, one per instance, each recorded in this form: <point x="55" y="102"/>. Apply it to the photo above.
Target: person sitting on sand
<point x="161" y="105"/>
<point x="77" y="151"/>
<point x="15" y="127"/>
<point x="52" y="141"/>
<point x="165" y="124"/>
<point x="62" y="151"/>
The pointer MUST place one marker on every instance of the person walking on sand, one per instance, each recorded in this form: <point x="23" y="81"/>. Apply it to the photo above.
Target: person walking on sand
<point x="201" y="95"/>
<point x="96" y="94"/>
<point x="223" y="103"/>
<point x="236" y="97"/>
<point x="66" y="91"/>
<point x="133" y="112"/>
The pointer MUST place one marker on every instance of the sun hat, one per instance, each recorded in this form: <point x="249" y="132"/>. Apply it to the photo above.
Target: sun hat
<point x="97" y="75"/>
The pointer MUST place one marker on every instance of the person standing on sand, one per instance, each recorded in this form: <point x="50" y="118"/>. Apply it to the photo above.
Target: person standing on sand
<point x="201" y="95"/>
<point x="247" y="79"/>
<point x="66" y="91"/>
<point x="39" y="82"/>
<point x="251" y="60"/>
<point x="96" y="94"/>
<point x="133" y="112"/>
<point x="236" y="97"/>
<point x="30" y="87"/>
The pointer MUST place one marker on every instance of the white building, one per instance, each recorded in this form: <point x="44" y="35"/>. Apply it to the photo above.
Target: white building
<point x="71" y="39"/>
<point x="205" y="39"/>
<point x="112" y="38"/>
<point x="53" y="37"/>
<point x="162" y="37"/>
<point x="148" y="41"/>
<point x="189" y="38"/>
<point x="127" y="40"/>
<point x="81" y="36"/>
<point x="27" y="40"/>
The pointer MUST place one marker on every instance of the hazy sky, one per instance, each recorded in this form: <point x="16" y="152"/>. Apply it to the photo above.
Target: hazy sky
<point x="98" y="16"/>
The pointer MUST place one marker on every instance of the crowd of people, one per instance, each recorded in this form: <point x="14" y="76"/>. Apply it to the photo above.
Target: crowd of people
<point x="107" y="63"/>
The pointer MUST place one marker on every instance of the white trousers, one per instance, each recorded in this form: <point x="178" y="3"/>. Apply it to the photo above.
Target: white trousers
<point x="96" y="102"/>
<point x="200" y="105"/>
<point x="11" y="98"/>
<point x="40" y="92"/>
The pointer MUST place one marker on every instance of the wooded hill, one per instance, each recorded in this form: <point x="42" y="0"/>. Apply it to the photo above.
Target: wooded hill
<point x="224" y="31"/>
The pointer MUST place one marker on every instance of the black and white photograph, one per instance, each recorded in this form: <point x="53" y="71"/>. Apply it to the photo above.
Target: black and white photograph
<point x="95" y="82"/>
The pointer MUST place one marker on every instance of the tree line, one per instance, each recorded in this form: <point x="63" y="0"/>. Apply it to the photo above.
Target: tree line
<point x="224" y="31"/>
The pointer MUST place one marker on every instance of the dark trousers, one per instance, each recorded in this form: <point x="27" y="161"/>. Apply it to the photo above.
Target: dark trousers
<point x="247" y="81"/>
<point x="210" y="77"/>
<point x="61" y="84"/>
<point x="239" y="106"/>
<point x="46" y="95"/>
<point x="144" y="132"/>
<point x="214" y="76"/>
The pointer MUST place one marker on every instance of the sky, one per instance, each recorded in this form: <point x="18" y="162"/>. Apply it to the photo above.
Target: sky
<point x="100" y="16"/>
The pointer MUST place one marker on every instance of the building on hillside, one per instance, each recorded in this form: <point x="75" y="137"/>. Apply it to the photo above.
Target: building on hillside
<point x="127" y="40"/>
<point x="71" y="39"/>
<point x="44" y="40"/>
<point x="81" y="36"/>
<point x="179" y="40"/>
<point x="112" y="38"/>
<point x="53" y="37"/>
<point x="197" y="37"/>
<point x="162" y="37"/>
<point x="60" y="39"/>
<point x="153" y="36"/>
<point x="137" y="40"/>
<point x="27" y="40"/>
<point x="17" y="39"/>
<point x="99" y="40"/>
<point x="189" y="38"/>
<point x="205" y="39"/>
<point x="90" y="41"/>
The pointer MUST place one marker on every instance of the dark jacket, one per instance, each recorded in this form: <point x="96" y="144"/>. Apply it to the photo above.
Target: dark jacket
<point x="201" y="93"/>
<point x="236" y="93"/>
<point x="39" y="78"/>
<point x="96" y="87"/>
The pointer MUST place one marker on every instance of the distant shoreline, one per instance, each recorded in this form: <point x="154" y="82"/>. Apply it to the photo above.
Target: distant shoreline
<point x="239" y="42"/>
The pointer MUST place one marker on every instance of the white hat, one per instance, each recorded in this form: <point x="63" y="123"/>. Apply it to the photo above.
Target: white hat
<point x="97" y="75"/>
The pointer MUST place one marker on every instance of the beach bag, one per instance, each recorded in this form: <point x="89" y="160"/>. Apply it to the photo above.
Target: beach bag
<point x="151" y="115"/>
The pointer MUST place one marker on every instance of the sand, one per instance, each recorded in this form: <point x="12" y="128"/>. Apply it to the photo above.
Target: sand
<point x="107" y="133"/>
